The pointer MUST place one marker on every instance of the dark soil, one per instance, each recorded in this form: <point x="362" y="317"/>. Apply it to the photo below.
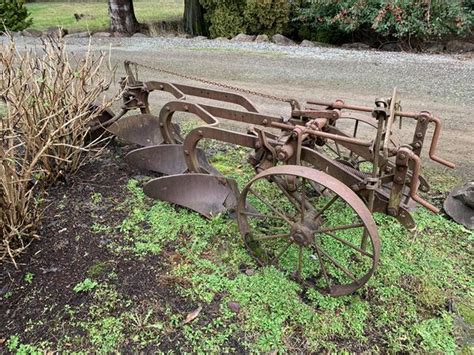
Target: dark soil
<point x="68" y="251"/>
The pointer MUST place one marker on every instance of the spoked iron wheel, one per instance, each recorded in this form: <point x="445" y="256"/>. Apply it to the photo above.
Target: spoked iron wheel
<point x="309" y="225"/>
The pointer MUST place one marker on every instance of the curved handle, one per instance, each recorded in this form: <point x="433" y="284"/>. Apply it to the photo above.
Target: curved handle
<point x="434" y="143"/>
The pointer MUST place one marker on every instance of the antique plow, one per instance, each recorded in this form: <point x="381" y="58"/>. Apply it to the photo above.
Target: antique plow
<point x="320" y="173"/>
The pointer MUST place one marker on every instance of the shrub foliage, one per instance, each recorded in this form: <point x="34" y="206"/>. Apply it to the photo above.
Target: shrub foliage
<point x="398" y="19"/>
<point x="228" y="18"/>
<point x="14" y="15"/>
<point x="333" y="21"/>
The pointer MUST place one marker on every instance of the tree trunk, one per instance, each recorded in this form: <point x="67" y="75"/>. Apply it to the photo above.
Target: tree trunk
<point x="122" y="17"/>
<point x="194" y="23"/>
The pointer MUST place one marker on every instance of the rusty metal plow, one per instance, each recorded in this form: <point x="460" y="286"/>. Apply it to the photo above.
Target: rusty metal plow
<point x="308" y="210"/>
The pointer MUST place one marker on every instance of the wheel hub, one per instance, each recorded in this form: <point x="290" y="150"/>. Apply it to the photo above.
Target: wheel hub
<point x="303" y="233"/>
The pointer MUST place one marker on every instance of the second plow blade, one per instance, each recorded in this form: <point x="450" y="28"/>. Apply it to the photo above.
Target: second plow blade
<point x="203" y="193"/>
<point x="166" y="159"/>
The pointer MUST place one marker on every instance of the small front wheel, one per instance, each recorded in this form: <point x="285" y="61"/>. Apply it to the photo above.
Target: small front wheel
<point x="309" y="225"/>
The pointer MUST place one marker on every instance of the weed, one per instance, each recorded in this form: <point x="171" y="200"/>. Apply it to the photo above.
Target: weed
<point x="29" y="277"/>
<point x="96" y="198"/>
<point x="84" y="286"/>
<point x="99" y="228"/>
<point x="97" y="269"/>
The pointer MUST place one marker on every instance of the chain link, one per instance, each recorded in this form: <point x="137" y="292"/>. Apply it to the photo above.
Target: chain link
<point x="213" y="83"/>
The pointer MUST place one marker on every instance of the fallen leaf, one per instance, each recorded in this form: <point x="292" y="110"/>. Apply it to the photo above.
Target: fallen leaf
<point x="193" y="315"/>
<point x="234" y="306"/>
<point x="249" y="272"/>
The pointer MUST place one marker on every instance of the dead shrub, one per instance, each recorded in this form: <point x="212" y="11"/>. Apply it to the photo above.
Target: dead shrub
<point x="52" y="100"/>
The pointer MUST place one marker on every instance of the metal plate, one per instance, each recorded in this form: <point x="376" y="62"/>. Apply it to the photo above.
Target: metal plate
<point x="203" y="193"/>
<point x="166" y="159"/>
<point x="143" y="129"/>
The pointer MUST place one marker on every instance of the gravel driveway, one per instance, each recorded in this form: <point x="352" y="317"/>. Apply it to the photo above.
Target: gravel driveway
<point x="439" y="83"/>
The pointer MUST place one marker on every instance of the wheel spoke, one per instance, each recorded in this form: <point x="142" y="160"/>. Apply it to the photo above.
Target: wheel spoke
<point x="268" y="237"/>
<point x="323" y="268"/>
<point x="339" y="228"/>
<point x="332" y="149"/>
<point x="350" y="245"/>
<point x="329" y="204"/>
<point x="300" y="263"/>
<point x="263" y="216"/>
<point x="356" y="127"/>
<point x="283" y="251"/>
<point x="276" y="210"/>
<point x="291" y="198"/>
<point x="337" y="148"/>
<point x="337" y="264"/>
<point x="303" y="198"/>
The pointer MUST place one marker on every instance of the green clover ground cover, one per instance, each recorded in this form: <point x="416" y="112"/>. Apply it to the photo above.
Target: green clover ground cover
<point x="414" y="302"/>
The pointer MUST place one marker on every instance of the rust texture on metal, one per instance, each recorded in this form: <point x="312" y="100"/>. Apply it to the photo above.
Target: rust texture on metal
<point x="312" y="160"/>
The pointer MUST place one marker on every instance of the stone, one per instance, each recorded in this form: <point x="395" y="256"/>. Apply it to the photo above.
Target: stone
<point x="119" y="34"/>
<point x="459" y="46"/>
<point x="31" y="33"/>
<point x="55" y="32"/>
<point x="200" y="38"/>
<point x="102" y="34"/>
<point x="221" y="39"/>
<point x="262" y="39"/>
<point x="242" y="37"/>
<point x="390" y="47"/>
<point x="78" y="35"/>
<point x="434" y="47"/>
<point x="282" y="40"/>
<point x="307" y="43"/>
<point x="356" y="45"/>
<point x="139" y="35"/>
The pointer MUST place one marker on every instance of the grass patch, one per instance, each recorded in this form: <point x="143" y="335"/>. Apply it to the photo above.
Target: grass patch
<point x="96" y="18"/>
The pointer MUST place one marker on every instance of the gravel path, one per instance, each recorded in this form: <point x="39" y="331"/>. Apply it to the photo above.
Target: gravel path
<point x="443" y="84"/>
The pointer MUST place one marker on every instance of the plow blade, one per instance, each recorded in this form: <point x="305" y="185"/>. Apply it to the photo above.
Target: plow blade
<point x="166" y="159"/>
<point x="141" y="129"/>
<point x="203" y="193"/>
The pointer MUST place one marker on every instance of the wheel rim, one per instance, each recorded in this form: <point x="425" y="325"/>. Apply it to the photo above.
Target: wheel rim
<point x="309" y="225"/>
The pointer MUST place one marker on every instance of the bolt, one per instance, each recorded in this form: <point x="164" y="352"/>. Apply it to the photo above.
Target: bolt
<point x="402" y="156"/>
<point x="265" y="122"/>
<point x="388" y="169"/>
<point x="186" y="152"/>
<point x="161" y="124"/>
<point x="419" y="135"/>
<point x="162" y="87"/>
<point x="417" y="145"/>
<point x="186" y="108"/>
<point x="281" y="156"/>
<point x="257" y="145"/>
<point x="200" y="133"/>
<point x="167" y="108"/>
<point x="399" y="179"/>
<point x="422" y="119"/>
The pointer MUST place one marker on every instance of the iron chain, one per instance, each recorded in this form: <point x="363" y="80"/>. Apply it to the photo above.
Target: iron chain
<point x="213" y="83"/>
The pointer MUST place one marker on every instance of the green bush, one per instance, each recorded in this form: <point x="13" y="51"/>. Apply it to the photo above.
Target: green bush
<point x="396" y="19"/>
<point x="14" y="15"/>
<point x="224" y="17"/>
<point x="227" y="18"/>
<point x="266" y="16"/>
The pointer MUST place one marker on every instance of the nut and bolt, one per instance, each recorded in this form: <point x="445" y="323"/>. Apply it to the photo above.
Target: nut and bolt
<point x="281" y="155"/>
